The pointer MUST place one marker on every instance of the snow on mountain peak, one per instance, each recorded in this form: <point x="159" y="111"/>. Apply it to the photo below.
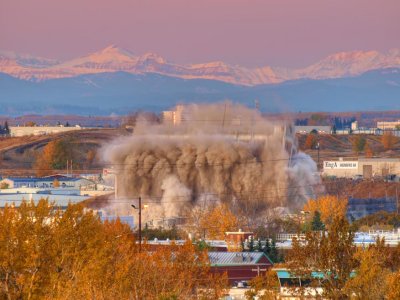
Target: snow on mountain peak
<point x="112" y="59"/>
<point x="114" y="50"/>
<point x="352" y="56"/>
<point x="152" y="57"/>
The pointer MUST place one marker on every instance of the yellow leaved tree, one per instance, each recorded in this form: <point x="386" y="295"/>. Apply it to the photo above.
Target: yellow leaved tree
<point x="329" y="206"/>
<point x="49" y="254"/>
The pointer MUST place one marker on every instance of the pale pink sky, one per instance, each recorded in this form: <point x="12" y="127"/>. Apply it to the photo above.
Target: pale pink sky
<point x="247" y="32"/>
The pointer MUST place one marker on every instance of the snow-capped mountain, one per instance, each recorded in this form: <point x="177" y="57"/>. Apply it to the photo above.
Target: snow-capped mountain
<point x="113" y="59"/>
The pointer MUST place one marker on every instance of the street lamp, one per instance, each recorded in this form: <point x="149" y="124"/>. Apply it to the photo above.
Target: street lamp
<point x="140" y="222"/>
<point x="317" y="146"/>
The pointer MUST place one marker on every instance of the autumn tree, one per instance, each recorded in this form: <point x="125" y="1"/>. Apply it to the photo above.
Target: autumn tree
<point x="30" y="124"/>
<point x="212" y="222"/>
<point x="393" y="286"/>
<point x="264" y="287"/>
<point x="368" y="150"/>
<point x="330" y="207"/>
<point x="358" y="144"/>
<point x="49" y="254"/>
<point x="331" y="253"/>
<point x="53" y="157"/>
<point x="56" y="183"/>
<point x="388" y="140"/>
<point x="311" y="141"/>
<point x="90" y="156"/>
<point x="371" y="275"/>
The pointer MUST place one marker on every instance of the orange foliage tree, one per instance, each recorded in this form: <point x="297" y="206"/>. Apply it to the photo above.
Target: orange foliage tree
<point x="368" y="150"/>
<point x="388" y="140"/>
<point x="90" y="156"/>
<point x="47" y="254"/>
<point x="213" y="222"/>
<point x="331" y="253"/>
<point x="311" y="141"/>
<point x="329" y="206"/>
<point x="358" y="144"/>
<point x="54" y="157"/>
<point x="393" y="288"/>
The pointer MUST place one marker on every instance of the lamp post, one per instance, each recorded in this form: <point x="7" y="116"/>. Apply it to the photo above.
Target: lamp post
<point x="140" y="222"/>
<point x="318" y="155"/>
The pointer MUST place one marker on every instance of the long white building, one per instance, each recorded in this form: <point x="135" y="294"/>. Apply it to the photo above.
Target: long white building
<point x="40" y="130"/>
<point x="365" y="167"/>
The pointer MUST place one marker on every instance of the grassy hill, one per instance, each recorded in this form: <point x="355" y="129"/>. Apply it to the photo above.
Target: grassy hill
<point x="18" y="154"/>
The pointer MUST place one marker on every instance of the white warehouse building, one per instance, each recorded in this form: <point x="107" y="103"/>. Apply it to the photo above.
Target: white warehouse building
<point x="40" y="130"/>
<point x="365" y="167"/>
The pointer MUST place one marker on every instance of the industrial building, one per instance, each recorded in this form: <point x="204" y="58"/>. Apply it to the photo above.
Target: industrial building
<point x="40" y="130"/>
<point x="366" y="168"/>
<point x="388" y="125"/>
<point x="61" y="201"/>
<point x="46" y="182"/>
<point x="308" y="129"/>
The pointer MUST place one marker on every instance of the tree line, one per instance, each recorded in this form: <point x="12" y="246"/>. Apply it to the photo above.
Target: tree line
<point x="46" y="253"/>
<point x="344" y="271"/>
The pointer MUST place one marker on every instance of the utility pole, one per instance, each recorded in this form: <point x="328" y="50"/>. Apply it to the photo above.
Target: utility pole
<point x="140" y="222"/>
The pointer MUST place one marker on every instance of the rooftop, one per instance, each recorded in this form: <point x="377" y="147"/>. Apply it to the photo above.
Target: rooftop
<point x="235" y="258"/>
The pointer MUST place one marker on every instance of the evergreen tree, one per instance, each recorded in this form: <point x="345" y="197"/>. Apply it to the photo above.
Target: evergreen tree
<point x="274" y="255"/>
<point x="251" y="244"/>
<point x="6" y="128"/>
<point x="259" y="246"/>
<point x="267" y="248"/>
<point x="316" y="223"/>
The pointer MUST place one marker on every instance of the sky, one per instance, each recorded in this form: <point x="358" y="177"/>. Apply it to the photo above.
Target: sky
<point x="289" y="33"/>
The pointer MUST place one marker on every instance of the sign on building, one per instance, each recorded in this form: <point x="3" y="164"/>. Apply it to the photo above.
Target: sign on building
<point x="340" y="165"/>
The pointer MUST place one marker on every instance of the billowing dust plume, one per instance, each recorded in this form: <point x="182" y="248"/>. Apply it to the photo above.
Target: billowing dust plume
<point x="203" y="154"/>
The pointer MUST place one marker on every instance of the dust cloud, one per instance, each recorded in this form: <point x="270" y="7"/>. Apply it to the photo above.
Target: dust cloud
<point x="208" y="153"/>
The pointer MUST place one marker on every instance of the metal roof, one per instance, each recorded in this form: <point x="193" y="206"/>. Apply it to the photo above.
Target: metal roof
<point x="41" y="179"/>
<point x="59" y="200"/>
<point x="235" y="258"/>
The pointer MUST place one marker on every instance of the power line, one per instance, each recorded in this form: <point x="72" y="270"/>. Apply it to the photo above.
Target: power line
<point x="142" y="164"/>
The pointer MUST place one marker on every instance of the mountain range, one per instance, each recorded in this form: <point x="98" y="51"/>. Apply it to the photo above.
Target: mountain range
<point x="114" y="59"/>
<point x="116" y="81"/>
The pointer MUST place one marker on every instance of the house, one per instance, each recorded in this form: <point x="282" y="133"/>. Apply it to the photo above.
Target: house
<point x="239" y="266"/>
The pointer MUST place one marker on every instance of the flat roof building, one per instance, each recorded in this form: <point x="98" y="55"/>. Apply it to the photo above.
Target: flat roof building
<point x="308" y="129"/>
<point x="364" y="167"/>
<point x="388" y="125"/>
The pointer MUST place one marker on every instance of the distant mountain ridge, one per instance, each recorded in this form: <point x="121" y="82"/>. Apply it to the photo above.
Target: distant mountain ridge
<point x="122" y="92"/>
<point x="114" y="59"/>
